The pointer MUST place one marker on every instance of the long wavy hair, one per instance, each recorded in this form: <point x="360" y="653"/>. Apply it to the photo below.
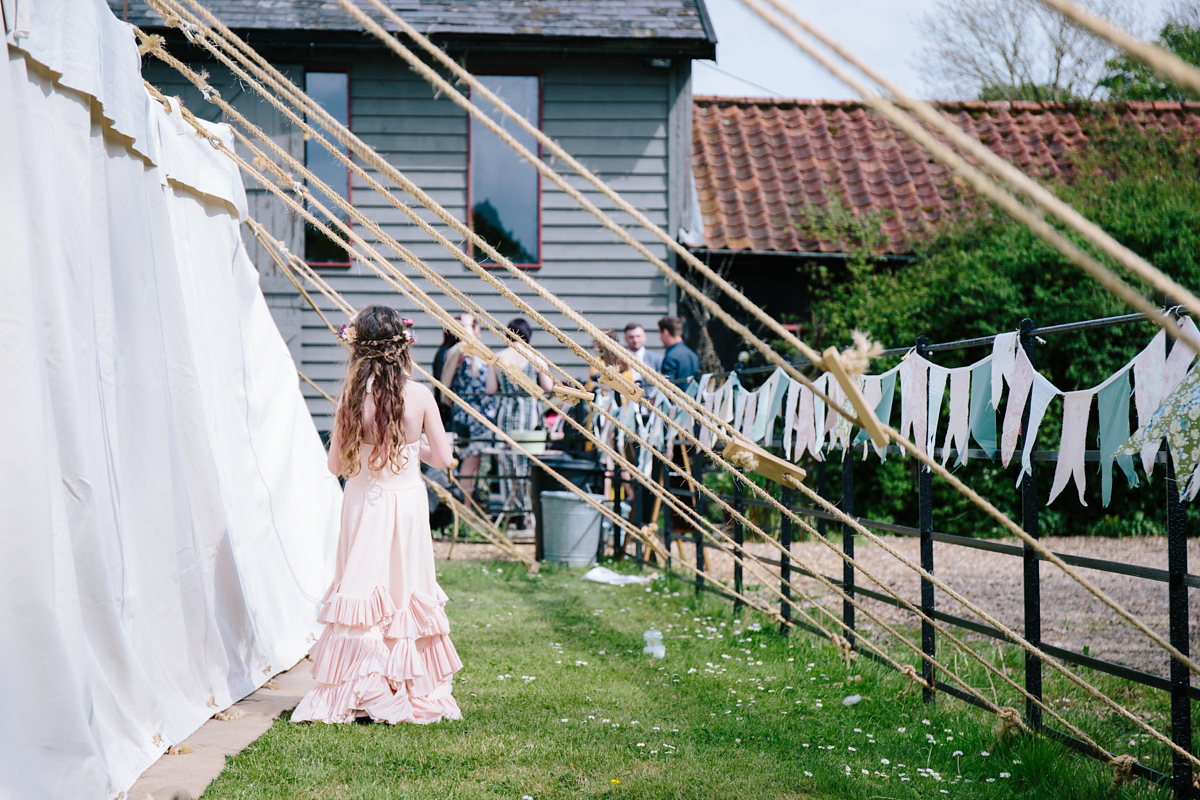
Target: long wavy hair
<point x="380" y="359"/>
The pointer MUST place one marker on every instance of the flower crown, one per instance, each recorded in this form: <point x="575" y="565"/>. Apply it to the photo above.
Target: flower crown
<point x="349" y="335"/>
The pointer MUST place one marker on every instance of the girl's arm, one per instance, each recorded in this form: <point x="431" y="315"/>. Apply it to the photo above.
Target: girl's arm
<point x="435" y="450"/>
<point x="545" y="381"/>
<point x="334" y="462"/>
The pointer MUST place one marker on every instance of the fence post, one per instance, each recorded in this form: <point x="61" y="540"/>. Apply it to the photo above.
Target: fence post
<point x="618" y="532"/>
<point x="848" y="543"/>
<point x="1177" y="610"/>
<point x="700" y="503"/>
<point x="638" y="514"/>
<point x="823" y="491"/>
<point x="739" y="534"/>
<point x="1030" y="507"/>
<point x="668" y="515"/>
<point x="785" y="561"/>
<point x="925" y="511"/>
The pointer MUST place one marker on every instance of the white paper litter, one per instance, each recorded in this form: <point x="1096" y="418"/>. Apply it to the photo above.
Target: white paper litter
<point x="606" y="575"/>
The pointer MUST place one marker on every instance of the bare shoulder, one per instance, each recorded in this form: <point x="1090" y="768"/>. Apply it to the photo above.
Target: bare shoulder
<point x="416" y="391"/>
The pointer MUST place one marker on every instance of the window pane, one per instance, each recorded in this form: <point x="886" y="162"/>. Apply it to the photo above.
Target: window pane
<point x="331" y="90"/>
<point x="504" y="187"/>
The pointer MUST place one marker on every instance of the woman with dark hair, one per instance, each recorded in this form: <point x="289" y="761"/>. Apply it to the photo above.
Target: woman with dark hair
<point x="516" y="411"/>
<point x="466" y="375"/>
<point x="439" y="361"/>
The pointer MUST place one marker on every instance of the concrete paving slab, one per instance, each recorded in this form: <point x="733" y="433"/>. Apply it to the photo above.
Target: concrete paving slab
<point x="187" y="775"/>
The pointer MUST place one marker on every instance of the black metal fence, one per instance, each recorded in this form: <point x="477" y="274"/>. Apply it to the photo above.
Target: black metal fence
<point x="1176" y="577"/>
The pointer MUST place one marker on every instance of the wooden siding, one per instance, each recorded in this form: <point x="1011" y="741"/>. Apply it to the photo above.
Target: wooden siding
<point x="614" y="114"/>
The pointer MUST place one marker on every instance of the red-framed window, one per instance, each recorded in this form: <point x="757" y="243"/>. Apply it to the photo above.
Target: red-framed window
<point x="330" y="88"/>
<point x="504" y="192"/>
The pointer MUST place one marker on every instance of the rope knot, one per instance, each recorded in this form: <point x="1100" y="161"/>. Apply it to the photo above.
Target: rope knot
<point x="189" y="30"/>
<point x="910" y="672"/>
<point x="791" y="481"/>
<point x="261" y="163"/>
<point x="857" y="359"/>
<point x="844" y="648"/>
<point x="210" y="94"/>
<point x="1009" y="719"/>
<point x="1123" y="770"/>
<point x="744" y="459"/>
<point x="151" y="43"/>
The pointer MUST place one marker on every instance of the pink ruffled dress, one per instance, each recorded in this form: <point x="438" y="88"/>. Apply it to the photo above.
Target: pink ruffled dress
<point x="385" y="651"/>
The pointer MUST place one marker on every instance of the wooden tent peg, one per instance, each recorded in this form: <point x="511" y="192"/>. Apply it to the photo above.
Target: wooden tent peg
<point x="755" y="459"/>
<point x="477" y="349"/>
<point x="623" y="386"/>
<point x="571" y="395"/>
<point x="832" y="361"/>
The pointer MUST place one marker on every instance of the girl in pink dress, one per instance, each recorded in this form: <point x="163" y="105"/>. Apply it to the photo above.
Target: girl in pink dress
<point x="385" y="653"/>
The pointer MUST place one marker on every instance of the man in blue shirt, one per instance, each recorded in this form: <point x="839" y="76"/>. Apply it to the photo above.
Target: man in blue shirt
<point x="679" y="362"/>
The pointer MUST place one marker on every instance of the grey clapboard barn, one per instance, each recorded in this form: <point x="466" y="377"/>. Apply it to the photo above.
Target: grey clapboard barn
<point x="609" y="79"/>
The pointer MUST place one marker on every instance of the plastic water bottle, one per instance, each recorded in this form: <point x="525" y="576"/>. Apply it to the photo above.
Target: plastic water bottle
<point x="654" y="644"/>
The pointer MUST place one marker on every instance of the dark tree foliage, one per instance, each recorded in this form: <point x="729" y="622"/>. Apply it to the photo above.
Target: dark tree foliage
<point x="984" y="275"/>
<point x="1126" y="78"/>
<point x="1027" y="90"/>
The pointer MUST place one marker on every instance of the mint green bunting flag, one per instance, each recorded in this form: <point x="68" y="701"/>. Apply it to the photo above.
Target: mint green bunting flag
<point x="983" y="414"/>
<point x="883" y="409"/>
<point x="1112" y="404"/>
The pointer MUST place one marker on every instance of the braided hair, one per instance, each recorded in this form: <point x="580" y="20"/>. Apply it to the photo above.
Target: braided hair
<point x="380" y="359"/>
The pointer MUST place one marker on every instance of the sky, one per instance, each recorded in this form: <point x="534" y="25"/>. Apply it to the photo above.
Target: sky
<point x="753" y="59"/>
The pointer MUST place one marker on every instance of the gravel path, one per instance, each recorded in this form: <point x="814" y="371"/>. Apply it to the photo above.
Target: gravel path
<point x="1072" y="618"/>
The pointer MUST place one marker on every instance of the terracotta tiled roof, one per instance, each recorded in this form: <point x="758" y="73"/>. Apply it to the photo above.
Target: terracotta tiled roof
<point x="759" y="163"/>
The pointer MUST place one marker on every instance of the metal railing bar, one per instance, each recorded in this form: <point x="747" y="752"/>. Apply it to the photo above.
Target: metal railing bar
<point x="1118" y="670"/>
<point x="979" y="341"/>
<point x="1087" y="562"/>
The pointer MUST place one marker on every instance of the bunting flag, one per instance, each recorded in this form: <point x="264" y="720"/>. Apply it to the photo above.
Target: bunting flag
<point x="770" y="398"/>
<point x="843" y="429"/>
<point x="743" y="418"/>
<point x="883" y="409"/>
<point x="958" y="425"/>
<point x="1112" y="402"/>
<point x="1020" y="381"/>
<point x="1177" y="419"/>
<point x="816" y="444"/>
<point x="935" y="389"/>
<point x="914" y="380"/>
<point x="1149" y="367"/>
<point x="1040" y="394"/>
<point x="789" y="416"/>
<point x="682" y="418"/>
<point x="833" y="420"/>
<point x="812" y="409"/>
<point x="1004" y="355"/>
<point x="1180" y="359"/>
<point x="740" y="396"/>
<point x="983" y="410"/>
<point x="1077" y="410"/>
<point x="720" y="403"/>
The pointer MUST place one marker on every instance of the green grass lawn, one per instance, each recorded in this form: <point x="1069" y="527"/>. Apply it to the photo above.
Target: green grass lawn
<point x="559" y="701"/>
